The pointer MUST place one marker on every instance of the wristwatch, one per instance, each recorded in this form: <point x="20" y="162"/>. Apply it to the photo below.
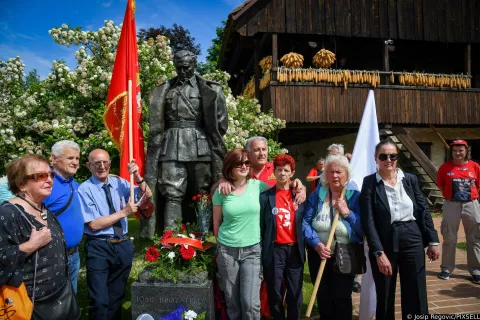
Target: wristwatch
<point x="378" y="254"/>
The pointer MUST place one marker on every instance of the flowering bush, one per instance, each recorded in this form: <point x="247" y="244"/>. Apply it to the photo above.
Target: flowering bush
<point x="177" y="253"/>
<point x="69" y="104"/>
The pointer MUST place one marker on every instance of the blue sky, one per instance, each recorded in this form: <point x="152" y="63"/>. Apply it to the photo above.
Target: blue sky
<point x="24" y="25"/>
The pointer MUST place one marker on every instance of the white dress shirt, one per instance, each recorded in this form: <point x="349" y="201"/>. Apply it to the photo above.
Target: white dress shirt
<point x="401" y="206"/>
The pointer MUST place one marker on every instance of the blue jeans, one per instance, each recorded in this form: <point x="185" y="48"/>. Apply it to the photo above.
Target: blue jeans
<point x="73" y="268"/>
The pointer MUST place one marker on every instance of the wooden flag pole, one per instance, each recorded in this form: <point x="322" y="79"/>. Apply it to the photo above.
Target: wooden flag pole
<point x="322" y="264"/>
<point x="130" y="137"/>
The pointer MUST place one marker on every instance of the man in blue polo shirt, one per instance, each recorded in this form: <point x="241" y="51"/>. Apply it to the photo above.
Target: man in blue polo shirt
<point x="64" y="201"/>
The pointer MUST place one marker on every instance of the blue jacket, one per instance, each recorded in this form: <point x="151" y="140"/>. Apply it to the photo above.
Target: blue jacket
<point x="352" y="221"/>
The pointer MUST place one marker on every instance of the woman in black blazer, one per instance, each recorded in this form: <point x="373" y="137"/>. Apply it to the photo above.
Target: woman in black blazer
<point x="398" y="226"/>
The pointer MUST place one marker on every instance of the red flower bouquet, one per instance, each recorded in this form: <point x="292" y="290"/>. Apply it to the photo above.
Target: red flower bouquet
<point x="202" y="203"/>
<point x="178" y="252"/>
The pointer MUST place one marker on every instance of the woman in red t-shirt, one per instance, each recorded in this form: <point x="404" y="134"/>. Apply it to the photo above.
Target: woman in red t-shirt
<point x="283" y="249"/>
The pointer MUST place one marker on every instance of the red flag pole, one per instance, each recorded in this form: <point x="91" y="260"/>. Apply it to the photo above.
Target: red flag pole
<point x="130" y="137"/>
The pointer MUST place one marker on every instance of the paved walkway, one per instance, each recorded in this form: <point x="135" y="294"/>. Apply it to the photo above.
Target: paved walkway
<point x="456" y="295"/>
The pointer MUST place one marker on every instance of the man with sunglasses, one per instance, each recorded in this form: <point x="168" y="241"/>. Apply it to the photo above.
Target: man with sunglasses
<point x="64" y="201"/>
<point x="458" y="180"/>
<point x="106" y="204"/>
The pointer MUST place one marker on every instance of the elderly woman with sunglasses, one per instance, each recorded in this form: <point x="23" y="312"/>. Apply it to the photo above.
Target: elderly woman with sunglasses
<point x="398" y="226"/>
<point x="31" y="180"/>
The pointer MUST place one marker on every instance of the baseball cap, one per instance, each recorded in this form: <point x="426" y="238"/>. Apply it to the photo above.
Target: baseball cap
<point x="458" y="143"/>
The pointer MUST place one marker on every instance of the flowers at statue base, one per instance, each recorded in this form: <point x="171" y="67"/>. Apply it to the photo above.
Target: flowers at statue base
<point x="202" y="203"/>
<point x="192" y="315"/>
<point x="179" y="251"/>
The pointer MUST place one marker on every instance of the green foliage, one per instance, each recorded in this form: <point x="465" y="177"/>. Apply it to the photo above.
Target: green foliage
<point x="211" y="64"/>
<point x="462" y="246"/>
<point x="180" y="38"/>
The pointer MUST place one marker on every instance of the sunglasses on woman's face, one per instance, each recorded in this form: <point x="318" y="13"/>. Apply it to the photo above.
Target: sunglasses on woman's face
<point x="241" y="164"/>
<point x="40" y="176"/>
<point x="391" y="156"/>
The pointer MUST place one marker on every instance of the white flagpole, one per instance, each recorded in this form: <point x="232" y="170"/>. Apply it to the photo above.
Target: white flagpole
<point x="363" y="164"/>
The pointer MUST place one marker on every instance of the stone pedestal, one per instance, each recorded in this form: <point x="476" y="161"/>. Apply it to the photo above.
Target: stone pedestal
<point x="159" y="299"/>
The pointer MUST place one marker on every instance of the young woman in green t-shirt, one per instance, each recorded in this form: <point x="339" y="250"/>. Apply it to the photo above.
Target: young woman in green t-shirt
<point x="236" y="224"/>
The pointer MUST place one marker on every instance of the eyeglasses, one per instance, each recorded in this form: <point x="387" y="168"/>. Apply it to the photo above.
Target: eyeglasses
<point x="241" y="164"/>
<point x="99" y="164"/>
<point x="40" y="176"/>
<point x="391" y="156"/>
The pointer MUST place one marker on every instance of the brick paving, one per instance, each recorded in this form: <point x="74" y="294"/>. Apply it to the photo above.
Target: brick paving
<point x="455" y="295"/>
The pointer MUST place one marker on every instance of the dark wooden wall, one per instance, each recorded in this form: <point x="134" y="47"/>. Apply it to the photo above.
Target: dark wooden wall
<point x="325" y="104"/>
<point x="424" y="20"/>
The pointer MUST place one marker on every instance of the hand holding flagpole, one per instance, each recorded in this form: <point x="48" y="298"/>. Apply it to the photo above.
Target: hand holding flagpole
<point x="323" y="263"/>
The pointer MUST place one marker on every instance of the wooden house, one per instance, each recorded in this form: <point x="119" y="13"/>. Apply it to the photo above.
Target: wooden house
<point x="415" y="43"/>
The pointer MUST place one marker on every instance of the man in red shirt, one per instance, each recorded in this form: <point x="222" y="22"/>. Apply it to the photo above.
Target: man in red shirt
<point x="313" y="175"/>
<point x="458" y="180"/>
<point x="260" y="168"/>
<point x="283" y="248"/>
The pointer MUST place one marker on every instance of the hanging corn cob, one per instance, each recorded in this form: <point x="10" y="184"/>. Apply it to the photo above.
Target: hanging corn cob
<point x="323" y="59"/>
<point x="266" y="64"/>
<point x="292" y="60"/>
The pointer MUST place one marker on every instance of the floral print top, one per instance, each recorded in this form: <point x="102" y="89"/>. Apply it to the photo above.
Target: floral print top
<point x="16" y="267"/>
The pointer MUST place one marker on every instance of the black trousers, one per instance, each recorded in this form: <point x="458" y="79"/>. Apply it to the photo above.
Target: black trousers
<point x="108" y="267"/>
<point x="334" y="296"/>
<point x="287" y="264"/>
<point x="410" y="262"/>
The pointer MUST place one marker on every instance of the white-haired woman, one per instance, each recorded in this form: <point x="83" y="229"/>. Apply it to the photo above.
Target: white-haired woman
<point x="334" y="297"/>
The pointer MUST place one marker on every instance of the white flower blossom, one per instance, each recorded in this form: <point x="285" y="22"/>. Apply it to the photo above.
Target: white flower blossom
<point x="190" y="315"/>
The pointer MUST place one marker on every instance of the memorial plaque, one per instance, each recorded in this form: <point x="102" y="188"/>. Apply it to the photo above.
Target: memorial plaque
<point x="159" y="299"/>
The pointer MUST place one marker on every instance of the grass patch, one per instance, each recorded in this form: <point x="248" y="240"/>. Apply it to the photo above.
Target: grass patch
<point x="307" y="291"/>
<point x="462" y="246"/>
<point x="438" y="214"/>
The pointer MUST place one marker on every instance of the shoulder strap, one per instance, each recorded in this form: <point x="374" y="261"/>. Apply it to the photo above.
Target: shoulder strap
<point x="62" y="210"/>
<point x="332" y="215"/>
<point x="36" y="255"/>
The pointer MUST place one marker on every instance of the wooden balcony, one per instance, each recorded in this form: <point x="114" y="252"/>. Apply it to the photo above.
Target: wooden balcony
<point x="324" y="103"/>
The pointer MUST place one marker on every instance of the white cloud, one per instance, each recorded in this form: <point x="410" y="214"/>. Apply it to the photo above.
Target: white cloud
<point x="106" y="4"/>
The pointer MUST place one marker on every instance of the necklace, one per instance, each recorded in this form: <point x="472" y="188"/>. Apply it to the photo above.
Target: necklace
<point x="42" y="211"/>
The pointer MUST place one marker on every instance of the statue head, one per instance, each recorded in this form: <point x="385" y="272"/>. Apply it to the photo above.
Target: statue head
<point x="185" y="63"/>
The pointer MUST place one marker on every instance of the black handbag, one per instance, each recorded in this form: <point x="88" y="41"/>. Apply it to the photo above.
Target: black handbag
<point x="61" y="304"/>
<point x="349" y="258"/>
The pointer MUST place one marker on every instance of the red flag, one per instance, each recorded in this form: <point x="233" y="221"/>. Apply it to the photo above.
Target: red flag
<point x="116" y="116"/>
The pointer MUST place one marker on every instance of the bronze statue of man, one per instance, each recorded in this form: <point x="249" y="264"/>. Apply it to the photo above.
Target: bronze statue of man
<point x="188" y="118"/>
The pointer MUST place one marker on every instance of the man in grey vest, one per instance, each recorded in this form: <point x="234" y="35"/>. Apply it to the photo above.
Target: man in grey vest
<point x="188" y="117"/>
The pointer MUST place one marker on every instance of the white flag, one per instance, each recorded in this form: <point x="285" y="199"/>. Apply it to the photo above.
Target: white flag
<point x="363" y="164"/>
